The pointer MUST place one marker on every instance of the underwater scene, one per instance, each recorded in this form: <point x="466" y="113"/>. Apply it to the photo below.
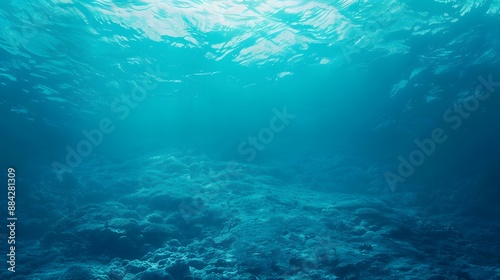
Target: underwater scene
<point x="250" y="139"/>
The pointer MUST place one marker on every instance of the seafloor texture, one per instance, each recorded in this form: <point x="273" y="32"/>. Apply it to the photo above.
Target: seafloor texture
<point x="181" y="215"/>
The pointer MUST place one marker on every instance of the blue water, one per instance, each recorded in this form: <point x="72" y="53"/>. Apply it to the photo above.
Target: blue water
<point x="250" y="139"/>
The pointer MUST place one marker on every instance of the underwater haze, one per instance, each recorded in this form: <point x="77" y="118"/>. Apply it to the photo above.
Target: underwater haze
<point x="250" y="139"/>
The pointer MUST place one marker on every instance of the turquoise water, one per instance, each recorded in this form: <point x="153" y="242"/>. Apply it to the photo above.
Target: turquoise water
<point x="142" y="131"/>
